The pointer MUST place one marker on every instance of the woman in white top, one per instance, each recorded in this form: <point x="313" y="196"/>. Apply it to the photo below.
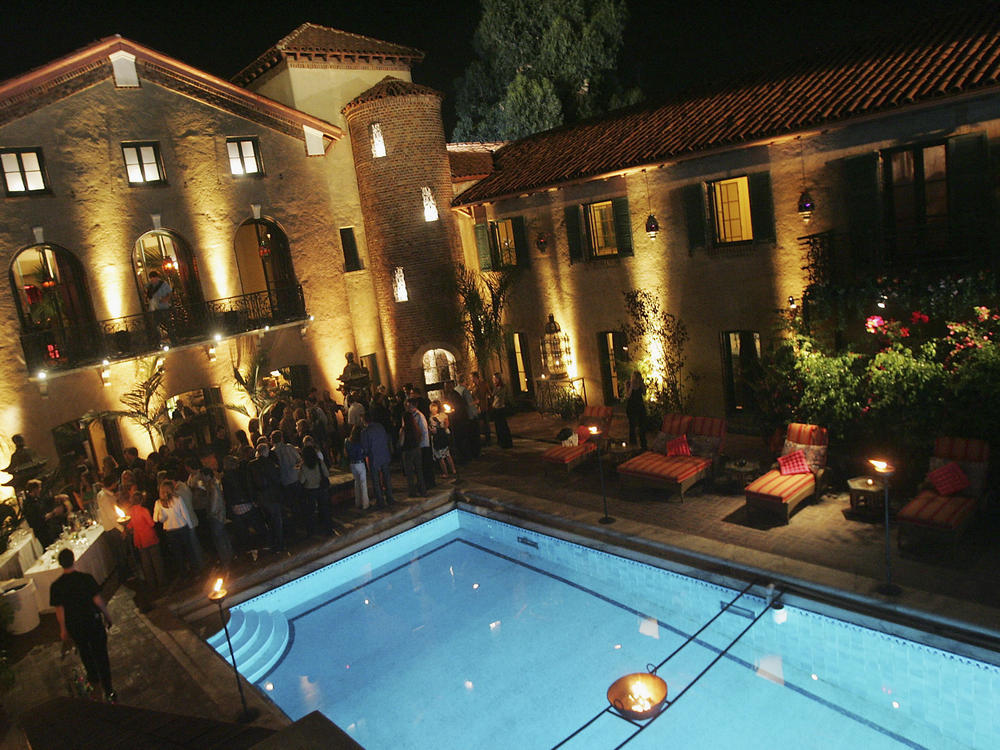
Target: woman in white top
<point x="181" y="541"/>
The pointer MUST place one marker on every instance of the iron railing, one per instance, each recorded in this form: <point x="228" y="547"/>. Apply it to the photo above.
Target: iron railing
<point x="62" y="347"/>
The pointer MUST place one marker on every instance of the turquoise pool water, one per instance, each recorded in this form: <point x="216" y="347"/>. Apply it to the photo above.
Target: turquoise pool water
<point x="466" y="632"/>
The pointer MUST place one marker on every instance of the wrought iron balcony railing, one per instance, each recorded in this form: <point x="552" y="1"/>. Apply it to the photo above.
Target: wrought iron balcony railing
<point x="63" y="347"/>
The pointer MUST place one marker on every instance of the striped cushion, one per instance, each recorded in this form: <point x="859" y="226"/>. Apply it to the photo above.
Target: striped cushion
<point x="709" y="426"/>
<point x="597" y="412"/>
<point x="962" y="449"/>
<point x="809" y="434"/>
<point x="650" y="465"/>
<point x="675" y="424"/>
<point x="948" y="479"/>
<point x="931" y="510"/>
<point x="776" y="487"/>
<point x="679" y="447"/>
<point x="564" y="454"/>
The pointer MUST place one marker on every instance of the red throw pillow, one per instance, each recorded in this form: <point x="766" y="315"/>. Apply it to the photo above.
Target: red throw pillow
<point x="583" y="434"/>
<point x="949" y="479"/>
<point x="679" y="447"/>
<point x="793" y="463"/>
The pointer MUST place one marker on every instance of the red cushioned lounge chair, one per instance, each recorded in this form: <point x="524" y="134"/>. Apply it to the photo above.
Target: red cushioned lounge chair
<point x="947" y="515"/>
<point x="654" y="468"/>
<point x="571" y="456"/>
<point x="780" y="494"/>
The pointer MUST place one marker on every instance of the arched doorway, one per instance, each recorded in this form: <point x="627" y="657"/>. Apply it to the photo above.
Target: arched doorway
<point x="264" y="260"/>
<point x="439" y="365"/>
<point x="53" y="305"/>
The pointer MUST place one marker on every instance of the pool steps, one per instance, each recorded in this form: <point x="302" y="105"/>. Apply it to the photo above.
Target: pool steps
<point x="259" y="640"/>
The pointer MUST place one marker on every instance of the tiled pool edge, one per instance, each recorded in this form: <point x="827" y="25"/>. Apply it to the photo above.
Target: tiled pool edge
<point x="681" y="554"/>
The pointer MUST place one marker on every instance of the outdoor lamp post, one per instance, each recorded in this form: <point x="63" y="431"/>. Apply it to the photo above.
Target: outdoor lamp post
<point x="886" y="470"/>
<point x="595" y="432"/>
<point x="217" y="594"/>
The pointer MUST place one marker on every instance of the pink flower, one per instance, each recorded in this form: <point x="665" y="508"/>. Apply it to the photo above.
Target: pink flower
<point x="874" y="323"/>
<point x="982" y="312"/>
<point x="918" y="317"/>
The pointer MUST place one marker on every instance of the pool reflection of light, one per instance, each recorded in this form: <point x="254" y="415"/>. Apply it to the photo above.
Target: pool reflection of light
<point x="469" y="685"/>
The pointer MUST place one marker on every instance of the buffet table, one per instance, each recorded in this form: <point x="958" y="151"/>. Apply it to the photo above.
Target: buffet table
<point x="22" y="551"/>
<point x="93" y="555"/>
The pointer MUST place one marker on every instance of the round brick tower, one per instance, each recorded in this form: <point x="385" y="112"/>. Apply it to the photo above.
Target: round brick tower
<point x="404" y="180"/>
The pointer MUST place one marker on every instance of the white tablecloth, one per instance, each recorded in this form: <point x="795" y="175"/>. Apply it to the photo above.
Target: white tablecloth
<point x="22" y="551"/>
<point x="23" y="603"/>
<point x="93" y="555"/>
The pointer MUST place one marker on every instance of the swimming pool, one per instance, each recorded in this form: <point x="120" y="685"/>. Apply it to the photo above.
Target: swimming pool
<point x="467" y="632"/>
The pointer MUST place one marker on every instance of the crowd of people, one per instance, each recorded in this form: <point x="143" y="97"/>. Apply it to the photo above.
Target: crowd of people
<point x="250" y="491"/>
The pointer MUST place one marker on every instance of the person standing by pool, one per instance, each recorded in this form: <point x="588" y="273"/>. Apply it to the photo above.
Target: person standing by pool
<point x="80" y="608"/>
<point x="635" y="409"/>
<point x="355" y="452"/>
<point x="179" y="528"/>
<point x="375" y="441"/>
<point x="499" y="408"/>
<point x="441" y="439"/>
<point x="410" y="438"/>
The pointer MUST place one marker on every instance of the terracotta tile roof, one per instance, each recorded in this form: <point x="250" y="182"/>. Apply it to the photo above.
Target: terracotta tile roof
<point x="387" y="88"/>
<point x="89" y="66"/>
<point x="313" y="43"/>
<point x="471" y="161"/>
<point x="954" y="55"/>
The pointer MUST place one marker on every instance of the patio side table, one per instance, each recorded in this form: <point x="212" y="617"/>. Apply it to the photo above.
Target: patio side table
<point x="867" y="496"/>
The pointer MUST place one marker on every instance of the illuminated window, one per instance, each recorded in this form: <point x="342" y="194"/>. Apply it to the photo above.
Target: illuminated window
<point x="601" y="222"/>
<point x="520" y="367"/>
<point x="244" y="156"/>
<point x="502" y="243"/>
<point x="731" y="210"/>
<point x="599" y="230"/>
<point x="430" y="207"/>
<point x="22" y="171"/>
<point x="399" y="292"/>
<point x="506" y="247"/>
<point x="378" y="142"/>
<point x="142" y="163"/>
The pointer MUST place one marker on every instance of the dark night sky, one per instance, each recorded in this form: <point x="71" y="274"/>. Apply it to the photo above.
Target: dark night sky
<point x="669" y="45"/>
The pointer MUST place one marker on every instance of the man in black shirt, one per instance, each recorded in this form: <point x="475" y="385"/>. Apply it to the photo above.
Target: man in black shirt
<point x="79" y="609"/>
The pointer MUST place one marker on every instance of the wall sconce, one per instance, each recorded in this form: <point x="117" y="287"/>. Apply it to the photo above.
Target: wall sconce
<point x="542" y="242"/>
<point x="255" y="210"/>
<point x="305" y="326"/>
<point x="556" y="351"/>
<point x="39" y="234"/>
<point x="105" y="373"/>
<point x="652" y="225"/>
<point x="791" y="303"/>
<point x="43" y="383"/>
<point x="210" y="351"/>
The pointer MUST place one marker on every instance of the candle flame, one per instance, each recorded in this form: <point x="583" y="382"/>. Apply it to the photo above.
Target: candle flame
<point x="218" y="586"/>
<point x="119" y="512"/>
<point x="879" y="465"/>
<point x="447" y="407"/>
<point x="593" y="429"/>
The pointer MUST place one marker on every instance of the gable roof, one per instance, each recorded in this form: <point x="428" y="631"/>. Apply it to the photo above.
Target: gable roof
<point x="90" y="65"/>
<point x="387" y="88"/>
<point x="950" y="57"/>
<point x="313" y="43"/>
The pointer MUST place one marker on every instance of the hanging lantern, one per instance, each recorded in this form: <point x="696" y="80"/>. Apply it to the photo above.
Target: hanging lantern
<point x="264" y="250"/>
<point x="556" y="352"/>
<point x="806" y="206"/>
<point x="48" y="282"/>
<point x="652" y="227"/>
<point x="169" y="264"/>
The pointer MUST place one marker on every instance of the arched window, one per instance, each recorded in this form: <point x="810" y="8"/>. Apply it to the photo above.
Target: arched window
<point x="439" y="365"/>
<point x="170" y="256"/>
<point x="265" y="264"/>
<point x="53" y="305"/>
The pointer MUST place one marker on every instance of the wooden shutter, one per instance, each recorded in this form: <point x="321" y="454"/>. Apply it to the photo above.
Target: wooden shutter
<point x="968" y="191"/>
<point x="521" y="249"/>
<point x="573" y="234"/>
<point x="623" y="225"/>
<point x="693" y="198"/>
<point x="862" y="205"/>
<point x="761" y="206"/>
<point x="483" y="247"/>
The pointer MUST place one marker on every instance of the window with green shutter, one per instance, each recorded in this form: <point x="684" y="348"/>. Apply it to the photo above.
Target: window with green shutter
<point x="509" y="242"/>
<point x="599" y="230"/>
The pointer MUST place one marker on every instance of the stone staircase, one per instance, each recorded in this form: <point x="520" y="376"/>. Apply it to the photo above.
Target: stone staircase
<point x="259" y="641"/>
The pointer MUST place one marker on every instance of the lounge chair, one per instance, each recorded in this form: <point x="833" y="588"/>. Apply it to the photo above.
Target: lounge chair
<point x="571" y="456"/>
<point x="938" y="510"/>
<point x="779" y="494"/>
<point x="703" y="437"/>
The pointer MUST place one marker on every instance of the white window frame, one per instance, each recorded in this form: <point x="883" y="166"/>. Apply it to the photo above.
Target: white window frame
<point x="244" y="157"/>
<point x="23" y="171"/>
<point x="143" y="165"/>
<point x="378" y="140"/>
<point x="601" y="223"/>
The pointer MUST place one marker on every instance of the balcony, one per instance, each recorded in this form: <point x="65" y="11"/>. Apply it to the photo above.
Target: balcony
<point x="54" y="348"/>
<point x="842" y="258"/>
